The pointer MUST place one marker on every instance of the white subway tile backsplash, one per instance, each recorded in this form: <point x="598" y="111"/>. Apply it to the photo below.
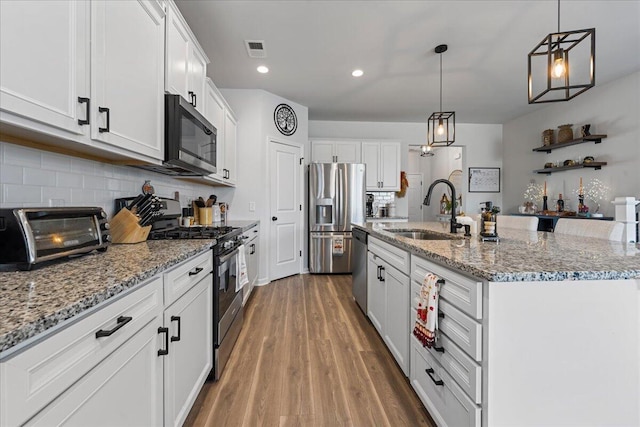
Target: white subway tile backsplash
<point x="56" y="194"/>
<point x="69" y="180"/>
<point x="10" y="174"/>
<point x="22" y="156"/>
<point x="95" y="182"/>
<point x="20" y="195"/>
<point x="53" y="161"/>
<point x="82" y="166"/>
<point x="38" y="177"/>
<point x="82" y="197"/>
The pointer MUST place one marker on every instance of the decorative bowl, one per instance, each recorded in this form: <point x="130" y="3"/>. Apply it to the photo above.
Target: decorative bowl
<point x="569" y="163"/>
<point x="588" y="159"/>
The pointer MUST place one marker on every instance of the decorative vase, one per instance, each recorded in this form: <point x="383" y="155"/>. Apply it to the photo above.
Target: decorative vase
<point x="565" y="133"/>
<point x="548" y="137"/>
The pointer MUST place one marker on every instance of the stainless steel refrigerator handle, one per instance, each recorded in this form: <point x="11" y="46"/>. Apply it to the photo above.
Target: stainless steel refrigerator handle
<point x="338" y="196"/>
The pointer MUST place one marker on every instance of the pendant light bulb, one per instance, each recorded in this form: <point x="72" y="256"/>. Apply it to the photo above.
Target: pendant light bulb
<point x="440" y="129"/>
<point x="558" y="68"/>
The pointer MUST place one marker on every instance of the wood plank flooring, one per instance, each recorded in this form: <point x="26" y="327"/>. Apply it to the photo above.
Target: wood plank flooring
<point x="307" y="356"/>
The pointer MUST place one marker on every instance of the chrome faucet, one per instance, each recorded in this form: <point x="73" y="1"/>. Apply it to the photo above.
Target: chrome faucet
<point x="454" y="224"/>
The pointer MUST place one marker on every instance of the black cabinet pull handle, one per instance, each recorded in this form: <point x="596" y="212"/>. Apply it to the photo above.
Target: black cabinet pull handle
<point x="440" y="315"/>
<point x="378" y="273"/>
<point x="105" y="110"/>
<point x="435" y="381"/>
<point x="82" y="100"/>
<point x="195" y="100"/>
<point x="196" y="271"/>
<point x="191" y="94"/>
<point x="122" y="320"/>
<point x="274" y="218"/>
<point x="439" y="349"/>
<point x="381" y="276"/>
<point x="176" y="319"/>
<point x="164" y="331"/>
<point x="253" y="249"/>
<point x="440" y="281"/>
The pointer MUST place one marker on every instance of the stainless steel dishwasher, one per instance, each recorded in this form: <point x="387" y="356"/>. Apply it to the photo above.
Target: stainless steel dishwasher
<point x="359" y="262"/>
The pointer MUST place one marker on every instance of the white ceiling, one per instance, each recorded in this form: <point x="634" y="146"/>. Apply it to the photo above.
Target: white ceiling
<point x="312" y="47"/>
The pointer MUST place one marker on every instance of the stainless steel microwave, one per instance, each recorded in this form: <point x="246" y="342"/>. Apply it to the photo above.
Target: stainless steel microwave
<point x="189" y="140"/>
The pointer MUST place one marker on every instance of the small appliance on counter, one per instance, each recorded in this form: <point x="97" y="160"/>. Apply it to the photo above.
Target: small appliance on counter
<point x="29" y="236"/>
<point x="370" y="199"/>
<point x="488" y="224"/>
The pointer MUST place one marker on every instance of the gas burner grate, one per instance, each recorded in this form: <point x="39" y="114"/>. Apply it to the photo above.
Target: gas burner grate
<point x="190" y="233"/>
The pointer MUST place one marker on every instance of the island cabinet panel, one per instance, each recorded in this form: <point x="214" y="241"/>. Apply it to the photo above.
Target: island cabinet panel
<point x="388" y="293"/>
<point x="35" y="377"/>
<point x="563" y="353"/>
<point x="453" y="386"/>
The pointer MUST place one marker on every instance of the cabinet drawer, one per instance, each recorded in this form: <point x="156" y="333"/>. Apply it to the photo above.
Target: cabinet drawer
<point x="464" y="371"/>
<point x="459" y="290"/>
<point x="460" y="328"/>
<point x="395" y="256"/>
<point x="183" y="277"/>
<point x="35" y="377"/>
<point x="251" y="234"/>
<point x="444" y="399"/>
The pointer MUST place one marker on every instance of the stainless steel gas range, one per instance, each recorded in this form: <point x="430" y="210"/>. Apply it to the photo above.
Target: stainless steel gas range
<point x="227" y="298"/>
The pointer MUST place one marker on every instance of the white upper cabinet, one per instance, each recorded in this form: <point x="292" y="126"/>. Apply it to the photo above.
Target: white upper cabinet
<point x="323" y="151"/>
<point x="382" y="160"/>
<point x="222" y="118"/>
<point x="230" y="138"/>
<point x="186" y="62"/>
<point x="44" y="71"/>
<point x="88" y="72"/>
<point x="127" y="75"/>
<point x="215" y="113"/>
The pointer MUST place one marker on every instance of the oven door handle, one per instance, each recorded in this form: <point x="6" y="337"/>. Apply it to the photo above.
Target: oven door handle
<point x="227" y="257"/>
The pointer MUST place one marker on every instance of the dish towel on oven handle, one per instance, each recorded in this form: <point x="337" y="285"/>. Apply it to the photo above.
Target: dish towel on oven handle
<point x="427" y="319"/>
<point x="242" y="276"/>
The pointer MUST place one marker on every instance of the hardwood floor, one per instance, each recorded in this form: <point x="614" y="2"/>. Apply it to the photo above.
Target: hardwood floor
<point x="307" y="356"/>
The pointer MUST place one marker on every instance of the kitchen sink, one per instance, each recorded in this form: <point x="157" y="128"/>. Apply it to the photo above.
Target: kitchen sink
<point x="422" y="235"/>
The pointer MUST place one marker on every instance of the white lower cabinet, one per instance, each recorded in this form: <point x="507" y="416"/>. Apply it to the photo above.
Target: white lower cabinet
<point x="190" y="344"/>
<point x="388" y="291"/>
<point x="448" y="376"/>
<point x="251" y="243"/>
<point x="125" y="389"/>
<point x="135" y="361"/>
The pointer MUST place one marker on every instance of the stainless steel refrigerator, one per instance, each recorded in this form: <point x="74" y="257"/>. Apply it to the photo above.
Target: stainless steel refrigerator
<point x="336" y="199"/>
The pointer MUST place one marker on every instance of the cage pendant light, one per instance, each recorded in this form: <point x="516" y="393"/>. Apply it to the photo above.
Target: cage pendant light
<point x="441" y="125"/>
<point x="551" y="76"/>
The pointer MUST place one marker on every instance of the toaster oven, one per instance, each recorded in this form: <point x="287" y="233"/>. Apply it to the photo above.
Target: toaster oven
<point x="29" y="236"/>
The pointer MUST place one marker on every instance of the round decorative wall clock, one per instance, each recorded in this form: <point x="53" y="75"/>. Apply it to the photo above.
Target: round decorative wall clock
<point x="285" y="119"/>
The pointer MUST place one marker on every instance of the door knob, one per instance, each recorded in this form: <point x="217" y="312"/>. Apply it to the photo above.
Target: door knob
<point x="274" y="218"/>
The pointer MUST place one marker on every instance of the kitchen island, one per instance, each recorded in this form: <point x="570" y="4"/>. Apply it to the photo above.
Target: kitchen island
<point x="537" y="329"/>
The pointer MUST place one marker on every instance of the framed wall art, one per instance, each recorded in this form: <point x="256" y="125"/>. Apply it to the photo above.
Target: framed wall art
<point x="484" y="180"/>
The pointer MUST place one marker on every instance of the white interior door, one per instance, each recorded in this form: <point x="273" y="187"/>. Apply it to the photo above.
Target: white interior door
<point x="414" y="193"/>
<point x="286" y="209"/>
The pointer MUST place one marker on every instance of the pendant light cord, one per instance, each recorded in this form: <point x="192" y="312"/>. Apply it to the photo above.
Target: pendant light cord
<point x="441" y="82"/>
<point x="558" y="16"/>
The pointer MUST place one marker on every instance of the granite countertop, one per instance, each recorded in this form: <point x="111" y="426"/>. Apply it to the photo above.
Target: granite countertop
<point x="33" y="301"/>
<point x="244" y="224"/>
<point x="520" y="255"/>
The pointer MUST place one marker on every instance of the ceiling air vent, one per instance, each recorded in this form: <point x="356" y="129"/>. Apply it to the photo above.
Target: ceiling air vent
<point x="255" y="48"/>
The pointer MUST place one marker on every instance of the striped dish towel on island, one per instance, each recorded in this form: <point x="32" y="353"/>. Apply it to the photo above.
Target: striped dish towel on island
<point x="427" y="318"/>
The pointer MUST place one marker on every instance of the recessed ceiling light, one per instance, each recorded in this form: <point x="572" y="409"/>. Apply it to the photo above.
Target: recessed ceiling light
<point x="357" y="73"/>
<point x="263" y="69"/>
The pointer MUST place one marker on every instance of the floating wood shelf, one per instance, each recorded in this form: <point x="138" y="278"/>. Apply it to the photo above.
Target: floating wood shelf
<point x="549" y="171"/>
<point x="596" y="139"/>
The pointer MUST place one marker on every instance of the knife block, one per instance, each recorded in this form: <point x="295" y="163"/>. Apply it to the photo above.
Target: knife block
<point x="125" y="228"/>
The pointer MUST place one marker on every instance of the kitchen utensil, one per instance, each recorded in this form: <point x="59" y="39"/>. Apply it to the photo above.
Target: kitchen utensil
<point x="199" y="202"/>
<point x="214" y="199"/>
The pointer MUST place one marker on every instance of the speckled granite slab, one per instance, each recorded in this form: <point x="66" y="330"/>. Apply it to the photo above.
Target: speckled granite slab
<point x="520" y="255"/>
<point x="33" y="301"/>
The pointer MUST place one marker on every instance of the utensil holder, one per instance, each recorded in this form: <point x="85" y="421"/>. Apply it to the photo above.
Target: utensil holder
<point x="124" y="228"/>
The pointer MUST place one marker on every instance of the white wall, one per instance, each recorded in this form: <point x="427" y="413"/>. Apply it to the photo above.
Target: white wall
<point x="254" y="110"/>
<point x="31" y="177"/>
<point x="612" y="109"/>
<point x="481" y="147"/>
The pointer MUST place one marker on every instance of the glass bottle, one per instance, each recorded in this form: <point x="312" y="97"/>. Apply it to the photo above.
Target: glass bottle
<point x="560" y="204"/>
